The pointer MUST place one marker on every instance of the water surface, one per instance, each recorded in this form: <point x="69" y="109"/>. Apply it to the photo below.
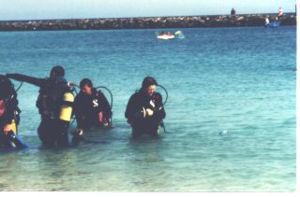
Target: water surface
<point x="241" y="80"/>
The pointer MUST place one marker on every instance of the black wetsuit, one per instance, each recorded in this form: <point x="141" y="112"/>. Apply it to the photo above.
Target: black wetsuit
<point x="11" y="112"/>
<point x="88" y="107"/>
<point x="135" y="115"/>
<point x="52" y="131"/>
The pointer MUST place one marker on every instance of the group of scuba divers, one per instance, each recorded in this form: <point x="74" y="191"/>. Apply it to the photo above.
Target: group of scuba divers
<point x="58" y="103"/>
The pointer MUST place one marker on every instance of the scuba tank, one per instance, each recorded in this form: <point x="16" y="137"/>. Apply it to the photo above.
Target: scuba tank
<point x="14" y="126"/>
<point x="56" y="100"/>
<point x="66" y="109"/>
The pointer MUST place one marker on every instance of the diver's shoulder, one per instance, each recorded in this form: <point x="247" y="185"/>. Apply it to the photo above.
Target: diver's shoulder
<point x="136" y="93"/>
<point x="97" y="92"/>
<point x="157" y="94"/>
<point x="135" y="96"/>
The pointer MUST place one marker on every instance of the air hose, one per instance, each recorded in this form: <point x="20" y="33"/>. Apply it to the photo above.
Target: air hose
<point x="167" y="95"/>
<point x="20" y="86"/>
<point x="110" y="93"/>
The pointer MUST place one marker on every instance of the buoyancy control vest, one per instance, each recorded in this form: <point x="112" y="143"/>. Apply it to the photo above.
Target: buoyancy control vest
<point x="9" y="104"/>
<point x="55" y="100"/>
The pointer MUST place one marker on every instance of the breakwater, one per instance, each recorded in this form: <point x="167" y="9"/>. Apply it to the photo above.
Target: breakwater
<point x="146" y="22"/>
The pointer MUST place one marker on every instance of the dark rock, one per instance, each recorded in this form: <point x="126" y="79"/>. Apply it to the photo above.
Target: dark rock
<point x="232" y="20"/>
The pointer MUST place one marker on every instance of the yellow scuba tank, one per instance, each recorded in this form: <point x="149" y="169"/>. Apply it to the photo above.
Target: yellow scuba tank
<point x="66" y="108"/>
<point x="13" y="126"/>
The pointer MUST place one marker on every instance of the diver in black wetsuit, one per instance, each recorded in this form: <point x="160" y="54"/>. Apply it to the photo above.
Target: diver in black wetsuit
<point x="145" y="111"/>
<point x="55" y="106"/>
<point x="9" y="113"/>
<point x="91" y="107"/>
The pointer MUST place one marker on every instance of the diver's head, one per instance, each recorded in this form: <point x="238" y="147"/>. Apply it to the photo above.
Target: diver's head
<point x="6" y="87"/>
<point x="86" y="86"/>
<point x="57" y="71"/>
<point x="149" y="85"/>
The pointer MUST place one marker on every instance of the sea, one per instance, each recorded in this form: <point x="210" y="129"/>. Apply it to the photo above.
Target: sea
<point x="230" y="104"/>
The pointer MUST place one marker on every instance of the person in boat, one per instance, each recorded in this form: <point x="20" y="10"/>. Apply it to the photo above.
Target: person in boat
<point x="145" y="111"/>
<point x="169" y="33"/>
<point x="232" y="12"/>
<point x="9" y="113"/>
<point x="91" y="107"/>
<point x="280" y="13"/>
<point x="267" y="21"/>
<point x="54" y="103"/>
<point x="161" y="33"/>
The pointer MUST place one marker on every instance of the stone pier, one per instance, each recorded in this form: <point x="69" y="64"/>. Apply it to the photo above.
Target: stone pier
<point x="147" y="22"/>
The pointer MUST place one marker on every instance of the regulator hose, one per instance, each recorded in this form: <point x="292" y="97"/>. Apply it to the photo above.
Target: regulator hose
<point x="110" y="94"/>
<point x="19" y="87"/>
<point x="167" y="94"/>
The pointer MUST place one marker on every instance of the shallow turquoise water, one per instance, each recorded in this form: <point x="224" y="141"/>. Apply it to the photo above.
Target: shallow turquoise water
<point x="237" y="79"/>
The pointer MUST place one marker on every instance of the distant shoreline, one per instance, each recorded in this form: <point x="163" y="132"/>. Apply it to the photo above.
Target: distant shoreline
<point x="146" y="22"/>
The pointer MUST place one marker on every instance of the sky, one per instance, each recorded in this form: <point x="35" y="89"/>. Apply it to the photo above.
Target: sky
<point x="66" y="9"/>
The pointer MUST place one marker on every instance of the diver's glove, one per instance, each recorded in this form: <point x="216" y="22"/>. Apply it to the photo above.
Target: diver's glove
<point x="15" y="141"/>
<point x="147" y="112"/>
<point x="78" y="132"/>
<point x="11" y="136"/>
<point x="77" y="136"/>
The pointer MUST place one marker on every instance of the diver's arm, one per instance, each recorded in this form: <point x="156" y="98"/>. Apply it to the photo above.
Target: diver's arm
<point x="32" y="80"/>
<point x="78" y="112"/>
<point x="80" y="122"/>
<point x="129" y="108"/>
<point x="134" y="110"/>
<point x="159" y="112"/>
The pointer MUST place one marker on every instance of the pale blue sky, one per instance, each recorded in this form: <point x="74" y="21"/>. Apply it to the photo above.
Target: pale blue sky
<point x="56" y="9"/>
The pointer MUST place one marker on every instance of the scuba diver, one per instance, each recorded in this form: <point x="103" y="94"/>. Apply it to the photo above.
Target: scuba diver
<point x="55" y="103"/>
<point x="145" y="111"/>
<point x="9" y="115"/>
<point x="91" y="107"/>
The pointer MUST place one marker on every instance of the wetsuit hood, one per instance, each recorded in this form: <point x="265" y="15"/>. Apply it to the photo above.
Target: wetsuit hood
<point x="57" y="71"/>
